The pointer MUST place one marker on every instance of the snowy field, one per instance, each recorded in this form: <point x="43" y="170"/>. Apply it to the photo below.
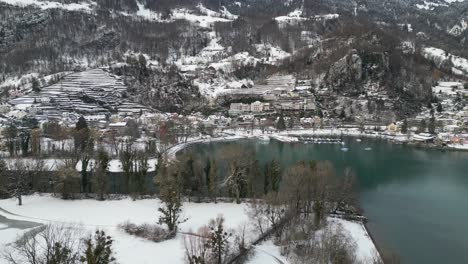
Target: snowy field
<point x="92" y="215"/>
<point x="106" y="215"/>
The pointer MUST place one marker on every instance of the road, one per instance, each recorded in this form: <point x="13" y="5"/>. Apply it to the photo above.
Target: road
<point x="17" y="224"/>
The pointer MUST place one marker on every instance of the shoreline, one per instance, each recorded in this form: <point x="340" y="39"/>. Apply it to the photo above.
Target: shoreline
<point x="290" y="136"/>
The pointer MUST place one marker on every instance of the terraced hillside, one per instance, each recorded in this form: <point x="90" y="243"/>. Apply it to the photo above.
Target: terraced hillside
<point x="91" y="92"/>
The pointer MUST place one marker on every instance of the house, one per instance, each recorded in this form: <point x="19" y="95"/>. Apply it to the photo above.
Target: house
<point x="423" y="137"/>
<point x="118" y="126"/>
<point x="392" y="128"/>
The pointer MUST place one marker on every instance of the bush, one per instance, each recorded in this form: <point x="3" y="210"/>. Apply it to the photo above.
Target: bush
<point x="150" y="232"/>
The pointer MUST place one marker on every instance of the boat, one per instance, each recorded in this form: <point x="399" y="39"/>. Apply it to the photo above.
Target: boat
<point x="368" y="148"/>
<point x="264" y="138"/>
<point x="358" y="140"/>
<point x="344" y="149"/>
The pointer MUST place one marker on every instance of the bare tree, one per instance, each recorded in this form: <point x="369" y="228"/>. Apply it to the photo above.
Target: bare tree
<point x="45" y="245"/>
<point x="239" y="161"/>
<point x="344" y="192"/>
<point x="18" y="180"/>
<point x="197" y="247"/>
<point x="330" y="245"/>
<point x="67" y="181"/>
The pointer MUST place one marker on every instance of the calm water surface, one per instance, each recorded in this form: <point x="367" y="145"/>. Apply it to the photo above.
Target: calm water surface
<point x="416" y="199"/>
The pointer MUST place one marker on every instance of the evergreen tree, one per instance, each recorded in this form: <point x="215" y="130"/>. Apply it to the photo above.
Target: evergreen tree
<point x="85" y="159"/>
<point x="439" y="108"/>
<point x="81" y="124"/>
<point x="187" y="171"/>
<point x="432" y="125"/>
<point x="82" y="136"/>
<point x="290" y="123"/>
<point x="127" y="159"/>
<point x="11" y="133"/>
<point x="342" y="114"/>
<point x="404" y="126"/>
<point x="101" y="177"/>
<point x="281" y="125"/>
<point x="272" y="176"/>
<point x="213" y="180"/>
<point x="98" y="250"/>
<point x="320" y="113"/>
<point x="254" y="180"/>
<point x="3" y="179"/>
<point x="422" y="126"/>
<point x="266" y="178"/>
<point x="206" y="171"/>
<point x="275" y="174"/>
<point x="218" y="241"/>
<point x="62" y="254"/>
<point x="25" y="137"/>
<point x="140" y="173"/>
<point x="169" y="182"/>
<point x="36" y="86"/>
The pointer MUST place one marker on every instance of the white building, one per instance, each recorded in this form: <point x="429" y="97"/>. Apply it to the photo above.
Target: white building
<point x="256" y="107"/>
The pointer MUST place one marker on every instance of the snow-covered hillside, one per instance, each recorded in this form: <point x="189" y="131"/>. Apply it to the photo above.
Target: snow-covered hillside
<point x="82" y="6"/>
<point x="200" y="16"/>
<point x="439" y="57"/>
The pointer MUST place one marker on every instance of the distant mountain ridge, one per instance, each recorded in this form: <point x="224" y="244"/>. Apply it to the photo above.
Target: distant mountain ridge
<point x="174" y="53"/>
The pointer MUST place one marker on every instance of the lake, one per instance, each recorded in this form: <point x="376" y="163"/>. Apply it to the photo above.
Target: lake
<point x="416" y="199"/>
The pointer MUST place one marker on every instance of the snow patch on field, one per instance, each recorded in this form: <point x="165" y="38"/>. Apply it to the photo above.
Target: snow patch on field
<point x="271" y="54"/>
<point x="212" y="87"/>
<point x="232" y="63"/>
<point x="296" y="16"/>
<point x="83" y="6"/>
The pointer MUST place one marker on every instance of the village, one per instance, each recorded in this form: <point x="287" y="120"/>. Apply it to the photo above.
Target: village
<point x="283" y="103"/>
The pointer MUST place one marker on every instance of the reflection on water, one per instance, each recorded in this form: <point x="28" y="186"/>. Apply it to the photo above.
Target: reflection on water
<point x="416" y="199"/>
